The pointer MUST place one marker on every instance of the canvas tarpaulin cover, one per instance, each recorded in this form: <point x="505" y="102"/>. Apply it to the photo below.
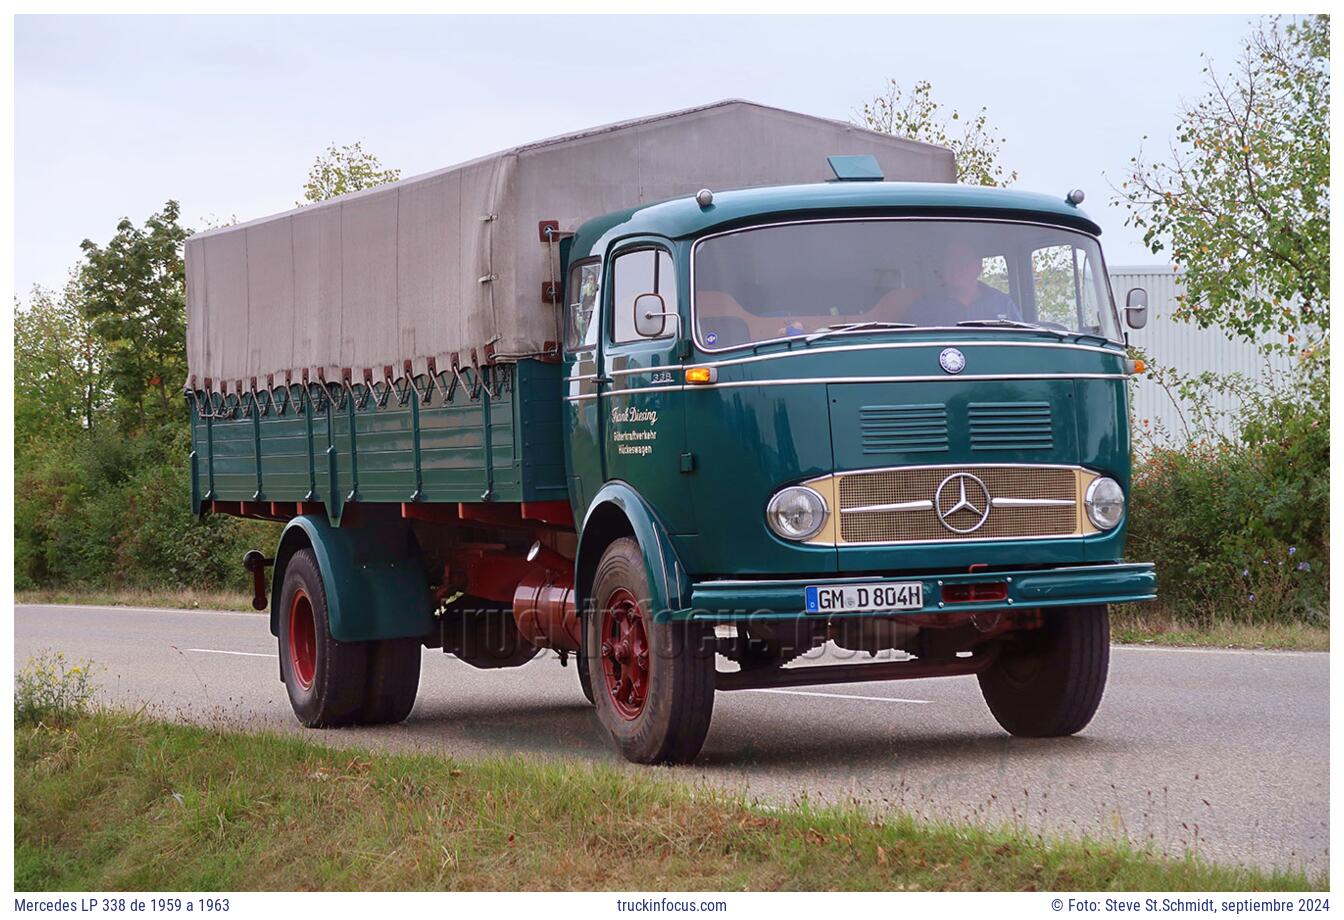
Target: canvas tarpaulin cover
<point x="440" y="264"/>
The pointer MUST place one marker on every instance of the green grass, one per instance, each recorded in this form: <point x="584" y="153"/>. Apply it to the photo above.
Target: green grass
<point x="111" y="801"/>
<point x="178" y="598"/>
<point x="1149" y="624"/>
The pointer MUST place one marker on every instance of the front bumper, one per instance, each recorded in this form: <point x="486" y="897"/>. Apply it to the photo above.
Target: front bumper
<point x="723" y="600"/>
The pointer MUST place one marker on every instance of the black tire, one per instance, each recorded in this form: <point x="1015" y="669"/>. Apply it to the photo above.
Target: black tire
<point x="581" y="665"/>
<point x="336" y="672"/>
<point x="675" y="710"/>
<point x="394" y="679"/>
<point x="1048" y="682"/>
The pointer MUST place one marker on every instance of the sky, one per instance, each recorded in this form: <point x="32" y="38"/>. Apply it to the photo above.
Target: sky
<point x="225" y="114"/>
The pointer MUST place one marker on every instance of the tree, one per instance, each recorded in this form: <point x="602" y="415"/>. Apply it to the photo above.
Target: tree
<point x="344" y="169"/>
<point x="1242" y="200"/>
<point x="133" y="291"/>
<point x="58" y="366"/>
<point x="920" y="118"/>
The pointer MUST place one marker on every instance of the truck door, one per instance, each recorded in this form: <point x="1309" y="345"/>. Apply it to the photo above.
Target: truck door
<point x="642" y="415"/>
<point x="583" y="430"/>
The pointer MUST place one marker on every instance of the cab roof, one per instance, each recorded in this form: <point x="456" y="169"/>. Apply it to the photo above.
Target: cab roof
<point x="682" y="218"/>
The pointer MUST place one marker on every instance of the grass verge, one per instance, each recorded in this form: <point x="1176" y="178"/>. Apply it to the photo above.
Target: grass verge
<point x="1147" y="624"/>
<point x="179" y="598"/>
<point x="112" y="801"/>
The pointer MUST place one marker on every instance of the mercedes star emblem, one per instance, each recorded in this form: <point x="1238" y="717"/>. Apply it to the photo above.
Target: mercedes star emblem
<point x="952" y="360"/>
<point x="963" y="495"/>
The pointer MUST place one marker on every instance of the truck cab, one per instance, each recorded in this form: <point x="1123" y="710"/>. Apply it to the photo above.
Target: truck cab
<point x="891" y="417"/>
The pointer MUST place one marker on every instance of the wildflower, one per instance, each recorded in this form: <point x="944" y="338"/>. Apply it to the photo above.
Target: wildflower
<point x="1250" y="597"/>
<point x="1292" y="550"/>
<point x="1245" y="573"/>
<point x="1304" y="566"/>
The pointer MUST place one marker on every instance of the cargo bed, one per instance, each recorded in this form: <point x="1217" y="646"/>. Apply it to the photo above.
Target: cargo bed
<point x="470" y="435"/>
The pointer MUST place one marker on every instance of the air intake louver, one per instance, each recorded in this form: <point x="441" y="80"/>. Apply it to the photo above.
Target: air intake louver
<point x="1011" y="426"/>
<point x="903" y="429"/>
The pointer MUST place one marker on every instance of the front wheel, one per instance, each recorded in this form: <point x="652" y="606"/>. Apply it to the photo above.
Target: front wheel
<point x="1048" y="682"/>
<point x="585" y="679"/>
<point x="653" y="680"/>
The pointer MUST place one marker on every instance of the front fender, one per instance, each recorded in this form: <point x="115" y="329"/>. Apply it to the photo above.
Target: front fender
<point x="375" y="584"/>
<point x="669" y="584"/>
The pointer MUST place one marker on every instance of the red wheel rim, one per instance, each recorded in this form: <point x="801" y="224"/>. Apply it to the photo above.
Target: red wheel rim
<point x="302" y="639"/>
<point x="625" y="654"/>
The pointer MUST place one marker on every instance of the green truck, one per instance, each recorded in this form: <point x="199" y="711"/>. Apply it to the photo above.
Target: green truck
<point x="724" y="399"/>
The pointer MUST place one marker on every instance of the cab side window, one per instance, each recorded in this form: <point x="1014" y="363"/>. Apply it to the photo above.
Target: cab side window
<point x="643" y="271"/>
<point x="1066" y="288"/>
<point x="1089" y="308"/>
<point x="584" y="281"/>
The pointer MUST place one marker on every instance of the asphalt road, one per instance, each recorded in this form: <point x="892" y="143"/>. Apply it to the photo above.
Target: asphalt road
<point x="1221" y="752"/>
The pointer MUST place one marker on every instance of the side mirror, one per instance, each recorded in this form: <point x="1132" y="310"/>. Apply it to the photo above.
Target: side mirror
<point x="1136" y="308"/>
<point x="651" y="315"/>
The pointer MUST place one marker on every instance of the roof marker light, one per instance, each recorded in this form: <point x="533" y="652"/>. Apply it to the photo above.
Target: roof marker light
<point x="704" y="198"/>
<point x="1075" y="197"/>
<point x="861" y="168"/>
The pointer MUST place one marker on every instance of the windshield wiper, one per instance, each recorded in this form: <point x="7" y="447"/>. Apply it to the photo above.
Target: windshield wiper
<point x="1011" y="323"/>
<point x="851" y="327"/>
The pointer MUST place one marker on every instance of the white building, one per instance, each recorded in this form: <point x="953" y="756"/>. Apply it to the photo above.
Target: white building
<point x="1170" y="343"/>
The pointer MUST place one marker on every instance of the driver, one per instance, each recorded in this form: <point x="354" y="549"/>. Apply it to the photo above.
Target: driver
<point x="959" y="293"/>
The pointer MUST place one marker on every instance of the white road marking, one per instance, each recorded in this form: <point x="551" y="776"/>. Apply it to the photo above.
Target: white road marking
<point x="836" y="696"/>
<point x="197" y="612"/>
<point x="220" y="651"/>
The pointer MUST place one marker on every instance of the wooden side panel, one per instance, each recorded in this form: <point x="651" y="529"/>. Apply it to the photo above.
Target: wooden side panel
<point x="444" y="439"/>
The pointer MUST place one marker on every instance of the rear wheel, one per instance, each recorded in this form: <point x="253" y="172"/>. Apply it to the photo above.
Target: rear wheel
<point x="1048" y="682"/>
<point x="325" y="678"/>
<point x="394" y="679"/>
<point x="653" y="681"/>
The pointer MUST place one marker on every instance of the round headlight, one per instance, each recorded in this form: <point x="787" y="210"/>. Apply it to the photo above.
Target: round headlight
<point x="1105" y="502"/>
<point x="796" y="513"/>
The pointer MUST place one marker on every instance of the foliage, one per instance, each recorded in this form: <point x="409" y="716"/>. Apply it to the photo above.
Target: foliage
<point x="113" y="511"/>
<point x="48" y="689"/>
<point x="342" y="170"/>
<point x="917" y="116"/>
<point x="58" y="367"/>
<point x="133" y="290"/>
<point x="1242" y="200"/>
<point x="1237" y="520"/>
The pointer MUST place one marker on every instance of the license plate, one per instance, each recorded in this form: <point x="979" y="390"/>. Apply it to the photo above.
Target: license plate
<point x="901" y="595"/>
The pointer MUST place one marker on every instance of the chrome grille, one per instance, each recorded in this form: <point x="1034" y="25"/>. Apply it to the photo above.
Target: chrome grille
<point x="915" y="488"/>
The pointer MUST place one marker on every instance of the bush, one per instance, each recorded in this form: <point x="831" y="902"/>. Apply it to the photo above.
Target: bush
<point x="107" y="510"/>
<point x="1238" y="524"/>
<point x="47" y="689"/>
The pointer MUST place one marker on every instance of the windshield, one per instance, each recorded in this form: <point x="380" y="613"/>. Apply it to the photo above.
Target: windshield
<point x="829" y="277"/>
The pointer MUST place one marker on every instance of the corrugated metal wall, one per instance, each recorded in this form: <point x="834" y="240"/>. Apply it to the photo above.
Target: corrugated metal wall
<point x="1183" y="346"/>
